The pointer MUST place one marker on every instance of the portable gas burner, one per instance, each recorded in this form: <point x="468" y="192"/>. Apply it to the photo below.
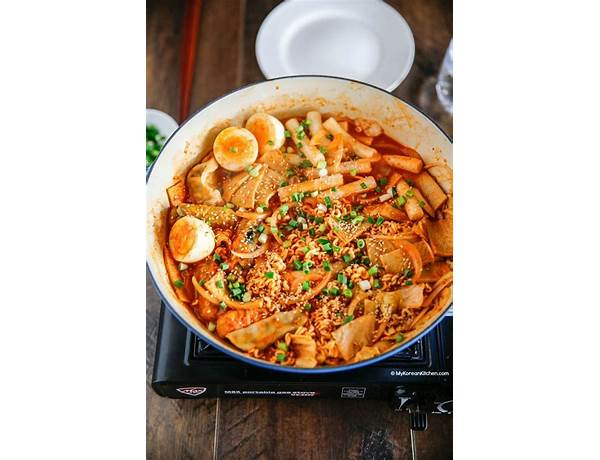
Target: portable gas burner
<point x="416" y="379"/>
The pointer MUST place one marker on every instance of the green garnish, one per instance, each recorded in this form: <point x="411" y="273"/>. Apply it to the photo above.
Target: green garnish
<point x="327" y="201"/>
<point x="347" y="293"/>
<point x="348" y="318"/>
<point x="178" y="283"/>
<point x="154" y="143"/>
<point x="282" y="346"/>
<point x="305" y="285"/>
<point x="321" y="164"/>
<point x="269" y="275"/>
<point x="223" y="305"/>
<point x="280" y="357"/>
<point x="342" y="279"/>
<point x="360" y="243"/>
<point x="290" y="172"/>
<point x="297" y="265"/>
<point x="297" y="197"/>
<point x="260" y="228"/>
<point x="380" y="220"/>
<point x="299" y="145"/>
<point x="253" y="172"/>
<point x="364" y="186"/>
<point x="334" y="189"/>
<point x="354" y="172"/>
<point x="283" y="210"/>
<point x="216" y="257"/>
<point x="219" y="284"/>
<point x="326" y="266"/>
<point x="305" y="164"/>
<point x="376" y="284"/>
<point x="270" y="142"/>
<point x="286" y="133"/>
<point x="284" y="184"/>
<point x="410" y="193"/>
<point x="293" y="223"/>
<point x="233" y="149"/>
<point x="322" y="149"/>
<point x="201" y="282"/>
<point x="305" y="249"/>
<point x="371" y="220"/>
<point x="336" y="248"/>
<point x="358" y="220"/>
<point x="408" y="273"/>
<point x="422" y="203"/>
<point x="329" y="136"/>
<point x="399" y="338"/>
<point x="383" y="181"/>
<point x="400" y="201"/>
<point x="334" y="291"/>
<point x="307" y="307"/>
<point x="408" y="283"/>
<point x="224" y="266"/>
<point x="347" y="258"/>
<point x="372" y="271"/>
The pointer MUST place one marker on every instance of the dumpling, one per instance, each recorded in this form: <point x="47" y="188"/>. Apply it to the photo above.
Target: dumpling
<point x="202" y="183"/>
<point x="264" y="332"/>
<point x="351" y="337"/>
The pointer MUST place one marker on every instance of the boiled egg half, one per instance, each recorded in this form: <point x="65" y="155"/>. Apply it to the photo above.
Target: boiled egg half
<point x="268" y="130"/>
<point x="235" y="148"/>
<point x="191" y="239"/>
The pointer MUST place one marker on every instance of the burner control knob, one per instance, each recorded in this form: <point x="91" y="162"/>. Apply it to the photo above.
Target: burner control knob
<point x="403" y="399"/>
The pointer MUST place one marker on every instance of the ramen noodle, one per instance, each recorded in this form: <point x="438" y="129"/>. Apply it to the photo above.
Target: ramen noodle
<point x="311" y="241"/>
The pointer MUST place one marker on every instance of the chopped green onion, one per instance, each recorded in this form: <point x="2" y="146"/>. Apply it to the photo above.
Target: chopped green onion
<point x="253" y="172"/>
<point x="358" y="220"/>
<point x="322" y="228"/>
<point x="336" y="248"/>
<point x="223" y="305"/>
<point x="334" y="189"/>
<point x="216" y="257"/>
<point x="323" y="150"/>
<point x="178" y="283"/>
<point x="286" y="133"/>
<point x="283" y="210"/>
<point x="348" y="318"/>
<point x="290" y="173"/>
<point x="347" y="293"/>
<point x="260" y="228"/>
<point x="270" y="142"/>
<point x="334" y="291"/>
<point x="347" y="258"/>
<point x="312" y="232"/>
<point x="383" y="181"/>
<point x="326" y="266"/>
<point x="269" y="275"/>
<point x="305" y="285"/>
<point x="224" y="266"/>
<point x="380" y="220"/>
<point x="284" y="184"/>
<point x="305" y="249"/>
<point x="364" y="186"/>
<point x="293" y="223"/>
<point x="305" y="164"/>
<point x="410" y="193"/>
<point x="219" y="284"/>
<point x="408" y="283"/>
<point x="376" y="284"/>
<point x="372" y="271"/>
<point x="201" y="282"/>
<point x="399" y="338"/>
<point x="371" y="220"/>
<point x="280" y="357"/>
<point x="400" y="201"/>
<point x="360" y="243"/>
<point x="408" y="273"/>
<point x="307" y="307"/>
<point x="342" y="279"/>
<point x="233" y="149"/>
<point x="287" y="244"/>
<point x="327" y="201"/>
<point x="282" y="346"/>
<point x="297" y="265"/>
<point x="354" y="172"/>
<point x="422" y="203"/>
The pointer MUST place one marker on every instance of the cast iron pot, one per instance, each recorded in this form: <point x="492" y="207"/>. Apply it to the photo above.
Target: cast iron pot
<point x="282" y="97"/>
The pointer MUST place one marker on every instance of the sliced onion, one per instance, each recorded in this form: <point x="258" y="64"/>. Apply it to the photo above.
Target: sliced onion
<point x="250" y="255"/>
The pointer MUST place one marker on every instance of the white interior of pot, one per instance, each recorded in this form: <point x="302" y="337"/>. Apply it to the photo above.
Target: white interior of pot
<point x="283" y="98"/>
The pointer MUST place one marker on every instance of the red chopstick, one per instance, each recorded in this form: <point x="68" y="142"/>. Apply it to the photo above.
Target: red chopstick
<point x="191" y="23"/>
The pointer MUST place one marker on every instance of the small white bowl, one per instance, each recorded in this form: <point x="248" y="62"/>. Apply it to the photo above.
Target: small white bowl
<point x="165" y="123"/>
<point x="365" y="40"/>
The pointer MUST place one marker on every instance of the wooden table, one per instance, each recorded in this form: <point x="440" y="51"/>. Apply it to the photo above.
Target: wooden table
<point x="261" y="428"/>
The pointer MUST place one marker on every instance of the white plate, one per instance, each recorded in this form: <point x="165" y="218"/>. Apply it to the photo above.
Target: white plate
<point x="165" y="123"/>
<point x="366" y="40"/>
